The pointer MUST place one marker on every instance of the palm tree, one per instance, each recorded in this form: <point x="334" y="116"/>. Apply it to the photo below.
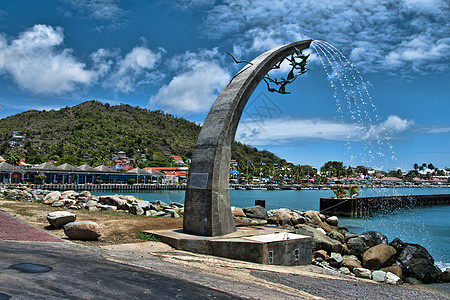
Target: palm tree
<point x="416" y="166"/>
<point x="341" y="192"/>
<point x="353" y="191"/>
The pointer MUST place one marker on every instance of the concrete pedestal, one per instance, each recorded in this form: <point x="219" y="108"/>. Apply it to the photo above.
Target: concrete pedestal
<point x="262" y="245"/>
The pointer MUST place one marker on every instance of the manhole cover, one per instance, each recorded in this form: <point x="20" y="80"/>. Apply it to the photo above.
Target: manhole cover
<point x="30" y="268"/>
<point x="4" y="296"/>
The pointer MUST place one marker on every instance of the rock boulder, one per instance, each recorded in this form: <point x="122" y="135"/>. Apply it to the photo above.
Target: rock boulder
<point x="256" y="212"/>
<point x="356" y="246"/>
<point x="373" y="238"/>
<point x="85" y="230"/>
<point x="350" y="262"/>
<point x="52" y="197"/>
<point x="136" y="210"/>
<point x="113" y="200"/>
<point x="333" y="221"/>
<point x="60" y="218"/>
<point x="379" y="276"/>
<point x="238" y="212"/>
<point x="335" y="235"/>
<point x="393" y="279"/>
<point x="362" y="272"/>
<point x="417" y="262"/>
<point x="445" y="276"/>
<point x="395" y="269"/>
<point x="378" y="256"/>
<point x="320" y="240"/>
<point x="314" y="217"/>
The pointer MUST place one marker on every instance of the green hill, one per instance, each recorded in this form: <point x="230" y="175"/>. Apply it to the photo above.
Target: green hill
<point x="92" y="132"/>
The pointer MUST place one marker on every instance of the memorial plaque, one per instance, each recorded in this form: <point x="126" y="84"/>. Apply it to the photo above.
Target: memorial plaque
<point x="198" y="181"/>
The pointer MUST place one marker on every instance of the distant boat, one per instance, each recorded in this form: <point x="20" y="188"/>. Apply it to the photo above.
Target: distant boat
<point x="252" y="188"/>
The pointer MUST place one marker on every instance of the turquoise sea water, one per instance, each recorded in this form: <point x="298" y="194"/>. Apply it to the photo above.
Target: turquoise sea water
<point x="427" y="226"/>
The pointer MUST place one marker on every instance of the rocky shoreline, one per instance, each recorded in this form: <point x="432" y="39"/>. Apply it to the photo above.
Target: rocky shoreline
<point x="366" y="255"/>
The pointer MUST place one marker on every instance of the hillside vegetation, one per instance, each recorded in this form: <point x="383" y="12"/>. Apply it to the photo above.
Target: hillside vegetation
<point x="92" y="132"/>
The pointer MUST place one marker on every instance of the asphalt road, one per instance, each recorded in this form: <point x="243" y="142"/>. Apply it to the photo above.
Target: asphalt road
<point x="64" y="271"/>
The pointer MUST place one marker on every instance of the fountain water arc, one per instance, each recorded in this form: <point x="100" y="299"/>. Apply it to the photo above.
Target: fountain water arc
<point x="207" y="201"/>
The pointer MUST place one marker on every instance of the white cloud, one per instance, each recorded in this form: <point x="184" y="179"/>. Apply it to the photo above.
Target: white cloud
<point x="435" y="129"/>
<point x="187" y="4"/>
<point x="393" y="124"/>
<point x="368" y="30"/>
<point x="36" y="63"/>
<point x="425" y="5"/>
<point x="284" y="131"/>
<point x="98" y="9"/>
<point x="419" y="52"/>
<point x="104" y="60"/>
<point x="134" y="69"/>
<point x="194" y="90"/>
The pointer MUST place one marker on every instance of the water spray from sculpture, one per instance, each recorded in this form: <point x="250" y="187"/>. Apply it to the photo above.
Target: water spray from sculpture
<point x="351" y="95"/>
<point x="354" y="102"/>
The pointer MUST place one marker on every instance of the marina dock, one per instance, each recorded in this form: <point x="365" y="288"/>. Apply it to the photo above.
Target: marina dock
<point x="104" y="187"/>
<point x="364" y="206"/>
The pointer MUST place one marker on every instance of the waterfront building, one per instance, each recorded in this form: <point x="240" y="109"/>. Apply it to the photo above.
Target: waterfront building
<point x="68" y="174"/>
<point x="173" y="174"/>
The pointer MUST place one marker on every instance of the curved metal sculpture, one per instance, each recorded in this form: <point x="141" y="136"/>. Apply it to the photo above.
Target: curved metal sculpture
<point x="207" y="209"/>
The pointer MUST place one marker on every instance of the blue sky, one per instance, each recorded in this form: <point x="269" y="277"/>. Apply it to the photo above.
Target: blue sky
<point x="171" y="55"/>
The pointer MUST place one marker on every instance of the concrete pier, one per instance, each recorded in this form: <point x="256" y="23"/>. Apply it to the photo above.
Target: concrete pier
<point x="364" y="206"/>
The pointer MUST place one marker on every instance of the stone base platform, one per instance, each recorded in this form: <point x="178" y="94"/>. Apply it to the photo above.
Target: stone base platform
<point x="264" y="245"/>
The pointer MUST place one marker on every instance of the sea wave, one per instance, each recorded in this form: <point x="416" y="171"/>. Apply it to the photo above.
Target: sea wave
<point x="442" y="265"/>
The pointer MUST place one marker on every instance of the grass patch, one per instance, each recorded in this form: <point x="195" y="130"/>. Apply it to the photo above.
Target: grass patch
<point x="116" y="213"/>
<point x="24" y="212"/>
<point x="147" y="237"/>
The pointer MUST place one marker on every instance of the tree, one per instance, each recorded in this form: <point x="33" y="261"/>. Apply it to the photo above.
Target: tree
<point x="13" y="159"/>
<point x="440" y="172"/>
<point x="362" y="170"/>
<point x="333" y="169"/>
<point x="353" y="191"/>
<point x="308" y="171"/>
<point x="416" y="166"/>
<point x="40" y="178"/>
<point x="71" y="160"/>
<point x="430" y="166"/>
<point x="411" y="174"/>
<point x="340" y="192"/>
